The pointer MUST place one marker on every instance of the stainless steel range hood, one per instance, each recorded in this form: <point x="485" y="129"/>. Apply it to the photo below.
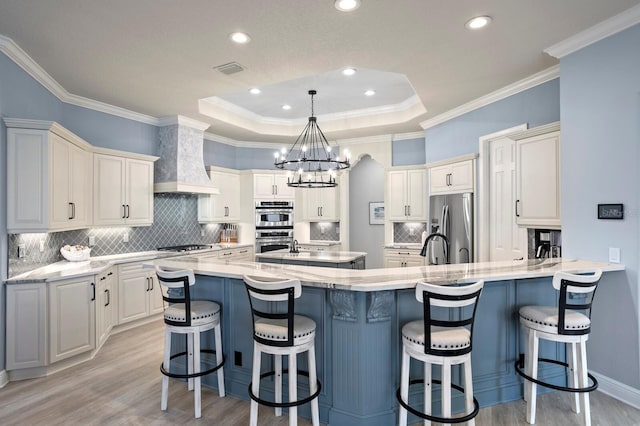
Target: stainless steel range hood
<point x="181" y="165"/>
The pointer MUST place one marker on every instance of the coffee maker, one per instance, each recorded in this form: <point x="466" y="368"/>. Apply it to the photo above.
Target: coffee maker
<point x="547" y="243"/>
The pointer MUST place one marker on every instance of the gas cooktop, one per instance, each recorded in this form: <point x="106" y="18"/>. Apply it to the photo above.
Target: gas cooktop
<point x="186" y="247"/>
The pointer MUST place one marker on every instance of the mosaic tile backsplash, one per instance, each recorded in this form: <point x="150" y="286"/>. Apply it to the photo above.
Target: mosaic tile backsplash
<point x="323" y="231"/>
<point x="408" y="233"/>
<point x="175" y="223"/>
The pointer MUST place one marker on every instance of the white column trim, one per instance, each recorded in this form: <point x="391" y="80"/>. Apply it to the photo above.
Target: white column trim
<point x="4" y="378"/>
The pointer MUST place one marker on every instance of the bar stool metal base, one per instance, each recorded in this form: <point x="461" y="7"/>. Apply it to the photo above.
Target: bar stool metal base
<point x="519" y="366"/>
<point x="285" y="404"/>
<point x="415" y="412"/>
<point x="192" y="375"/>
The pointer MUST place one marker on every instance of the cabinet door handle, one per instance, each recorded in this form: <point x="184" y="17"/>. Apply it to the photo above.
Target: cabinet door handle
<point x="321" y="212"/>
<point x="519" y="258"/>
<point x="108" y="294"/>
<point x="109" y="274"/>
<point x="226" y="211"/>
<point x="517" y="202"/>
<point x="409" y="210"/>
<point x="124" y="211"/>
<point x="147" y="283"/>
<point x="103" y="278"/>
<point x="73" y="210"/>
<point x="127" y="211"/>
<point x="71" y="214"/>
<point x="227" y="254"/>
<point x="93" y="291"/>
<point x="152" y="283"/>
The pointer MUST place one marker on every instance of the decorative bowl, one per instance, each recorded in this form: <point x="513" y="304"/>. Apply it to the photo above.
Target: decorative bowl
<point x="75" y="253"/>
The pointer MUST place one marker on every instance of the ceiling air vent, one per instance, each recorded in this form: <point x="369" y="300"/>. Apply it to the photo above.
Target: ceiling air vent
<point x="230" y="68"/>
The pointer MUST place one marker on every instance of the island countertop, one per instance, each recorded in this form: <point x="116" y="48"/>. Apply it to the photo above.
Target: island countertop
<point x="313" y="256"/>
<point x="388" y="278"/>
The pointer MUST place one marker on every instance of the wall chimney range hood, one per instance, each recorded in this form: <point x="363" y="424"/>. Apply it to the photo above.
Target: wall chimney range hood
<point x="181" y="165"/>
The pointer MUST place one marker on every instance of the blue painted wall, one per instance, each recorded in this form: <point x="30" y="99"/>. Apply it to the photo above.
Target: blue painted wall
<point x="536" y="106"/>
<point x="600" y="100"/>
<point x="219" y="154"/>
<point x="409" y="152"/>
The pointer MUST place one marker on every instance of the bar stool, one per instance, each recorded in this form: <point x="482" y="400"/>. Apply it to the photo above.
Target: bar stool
<point x="448" y="343"/>
<point x="565" y="325"/>
<point x="280" y="332"/>
<point x="191" y="318"/>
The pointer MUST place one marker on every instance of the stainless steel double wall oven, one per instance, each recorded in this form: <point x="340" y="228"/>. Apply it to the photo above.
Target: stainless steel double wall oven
<point x="274" y="225"/>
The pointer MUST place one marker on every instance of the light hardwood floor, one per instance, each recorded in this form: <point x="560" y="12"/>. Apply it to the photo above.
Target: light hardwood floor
<point x="121" y="386"/>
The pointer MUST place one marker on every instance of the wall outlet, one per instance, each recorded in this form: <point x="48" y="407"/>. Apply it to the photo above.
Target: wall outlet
<point x="412" y="231"/>
<point x="92" y="240"/>
<point x="125" y="237"/>
<point x="22" y="250"/>
<point x="41" y="246"/>
<point x="614" y="254"/>
<point x="202" y="232"/>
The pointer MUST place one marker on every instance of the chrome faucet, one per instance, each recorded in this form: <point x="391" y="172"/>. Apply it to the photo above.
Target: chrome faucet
<point x="294" y="247"/>
<point x="423" y="253"/>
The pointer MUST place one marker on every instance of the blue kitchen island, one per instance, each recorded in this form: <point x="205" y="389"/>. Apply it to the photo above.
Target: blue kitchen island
<point x="359" y="315"/>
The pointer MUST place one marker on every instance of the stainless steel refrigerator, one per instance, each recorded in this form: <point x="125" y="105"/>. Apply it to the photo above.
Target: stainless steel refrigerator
<point x="452" y="216"/>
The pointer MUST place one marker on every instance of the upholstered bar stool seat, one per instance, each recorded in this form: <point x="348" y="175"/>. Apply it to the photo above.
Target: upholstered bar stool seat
<point x="190" y="318"/>
<point x="447" y="343"/>
<point x="568" y="323"/>
<point x="281" y="332"/>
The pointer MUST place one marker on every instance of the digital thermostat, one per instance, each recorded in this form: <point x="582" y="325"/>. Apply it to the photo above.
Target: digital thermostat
<point x="610" y="211"/>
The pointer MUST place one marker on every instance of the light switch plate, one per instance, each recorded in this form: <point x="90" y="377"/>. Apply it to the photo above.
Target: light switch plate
<point x="125" y="237"/>
<point x="92" y="240"/>
<point x="614" y="254"/>
<point x="22" y="249"/>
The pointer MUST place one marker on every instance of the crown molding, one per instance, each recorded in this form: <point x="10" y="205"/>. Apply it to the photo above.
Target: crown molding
<point x="366" y="139"/>
<point x="240" y="144"/>
<point x="600" y="31"/>
<point x="510" y="90"/>
<point x="31" y="67"/>
<point x="246" y="114"/>
<point x="407" y="136"/>
<point x="184" y="121"/>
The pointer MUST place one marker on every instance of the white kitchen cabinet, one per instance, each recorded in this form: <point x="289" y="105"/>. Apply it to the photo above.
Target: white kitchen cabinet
<point x="406" y="192"/>
<point x="26" y="334"/>
<point x="402" y="258"/>
<point x="48" y="178"/>
<point x="223" y="207"/>
<point x="272" y="186"/>
<point x="452" y="178"/>
<point x="105" y="314"/>
<point x="538" y="180"/>
<point x="322" y="204"/>
<point x="123" y="191"/>
<point x="139" y="293"/>
<point x="71" y="317"/>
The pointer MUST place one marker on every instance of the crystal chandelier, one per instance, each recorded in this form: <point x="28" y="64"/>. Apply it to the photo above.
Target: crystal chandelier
<point x="310" y="161"/>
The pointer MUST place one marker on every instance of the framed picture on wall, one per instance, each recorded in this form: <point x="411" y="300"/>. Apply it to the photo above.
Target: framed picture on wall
<point x="376" y="213"/>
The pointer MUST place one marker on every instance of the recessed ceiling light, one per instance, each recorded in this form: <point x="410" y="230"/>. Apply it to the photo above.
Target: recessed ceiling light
<point x="286" y="107"/>
<point x="478" y="22"/>
<point x="370" y="92"/>
<point x="240" y="38"/>
<point x="347" y="5"/>
<point x="255" y="91"/>
<point x="349" y="71"/>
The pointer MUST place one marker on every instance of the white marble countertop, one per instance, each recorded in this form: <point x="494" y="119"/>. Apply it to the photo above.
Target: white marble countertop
<point x="413" y="246"/>
<point x="388" y="278"/>
<point x="64" y="269"/>
<point x="313" y="256"/>
<point x="319" y="243"/>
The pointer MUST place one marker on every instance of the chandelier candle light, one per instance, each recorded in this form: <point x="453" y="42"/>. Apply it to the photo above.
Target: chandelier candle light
<point x="310" y="161"/>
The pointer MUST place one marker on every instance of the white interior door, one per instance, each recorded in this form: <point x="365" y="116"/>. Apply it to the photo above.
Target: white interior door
<point x="507" y="241"/>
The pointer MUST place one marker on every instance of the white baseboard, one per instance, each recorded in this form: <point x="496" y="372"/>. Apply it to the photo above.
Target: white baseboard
<point x="617" y="390"/>
<point x="4" y="378"/>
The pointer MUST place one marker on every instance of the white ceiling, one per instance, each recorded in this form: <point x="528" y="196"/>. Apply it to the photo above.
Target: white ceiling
<point x="156" y="57"/>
